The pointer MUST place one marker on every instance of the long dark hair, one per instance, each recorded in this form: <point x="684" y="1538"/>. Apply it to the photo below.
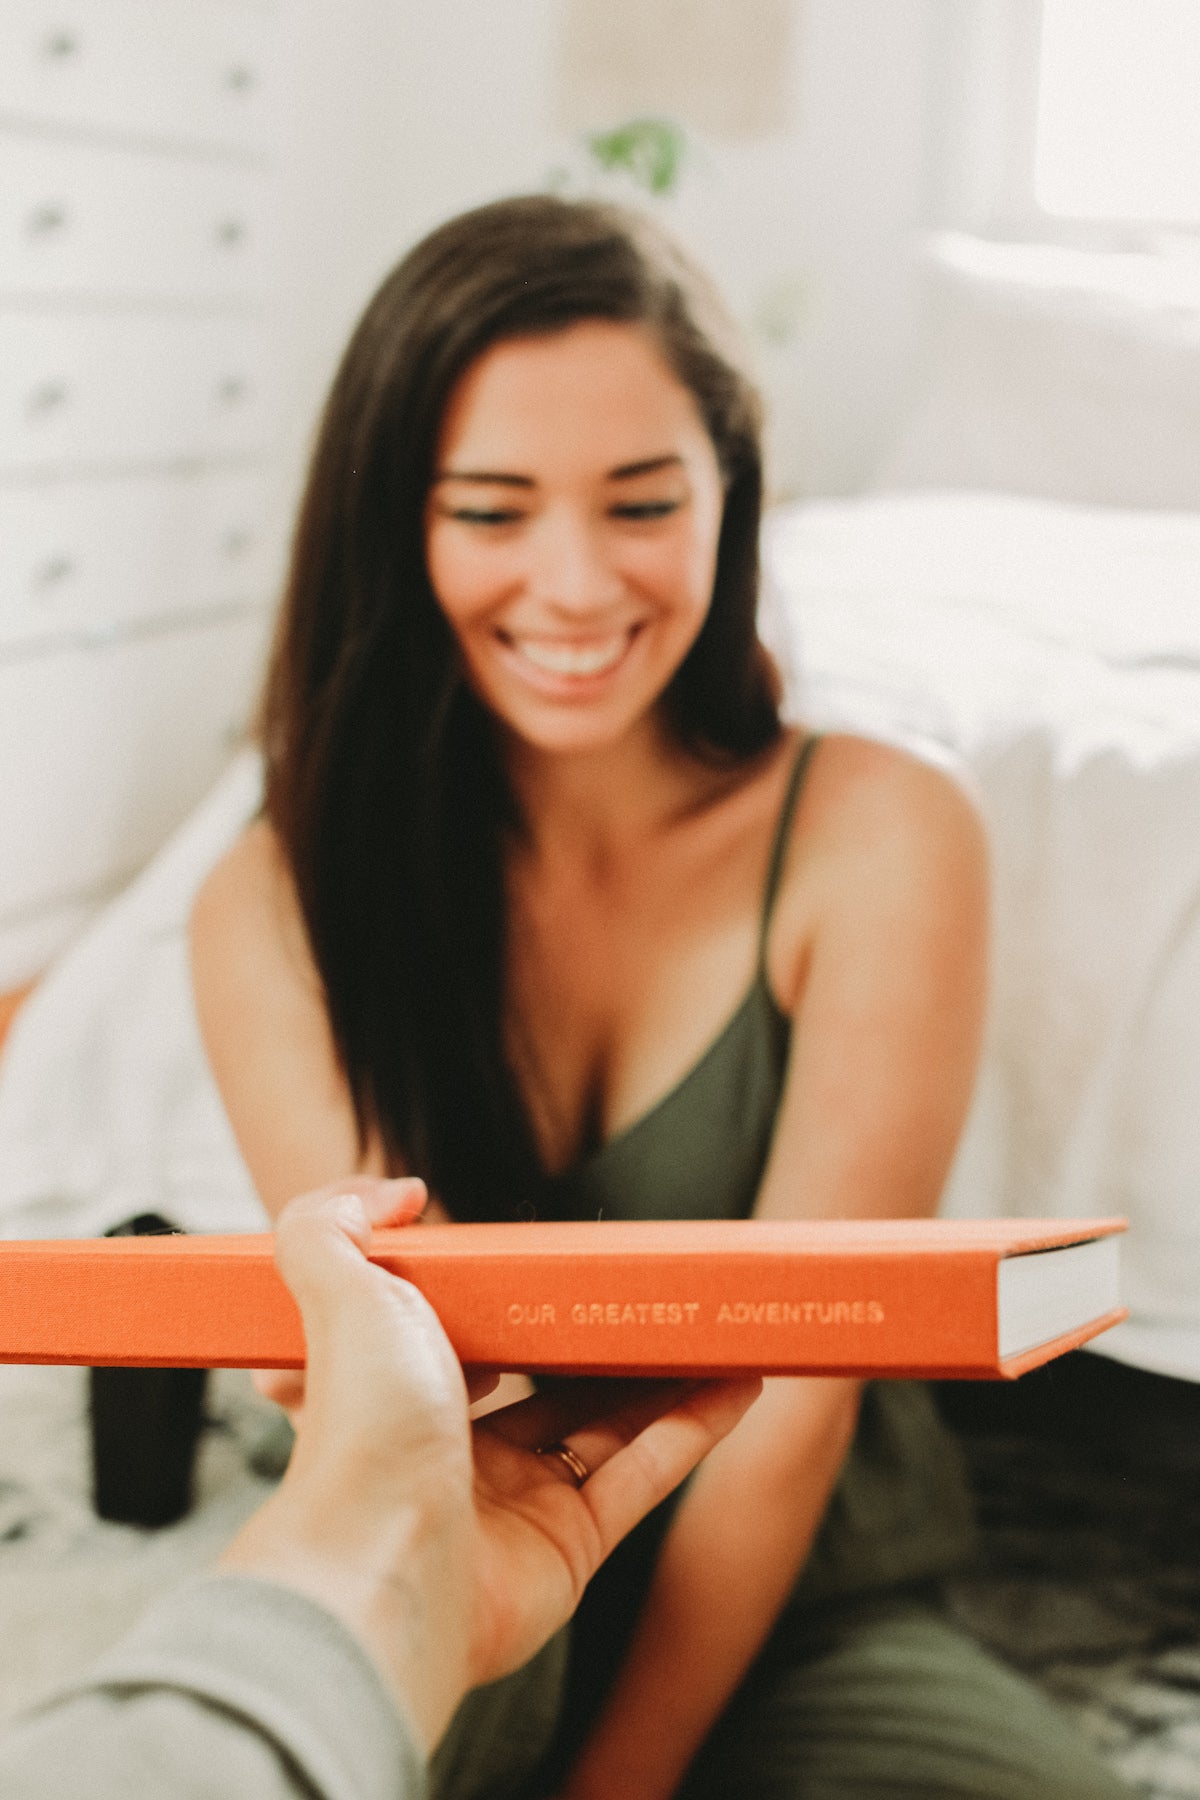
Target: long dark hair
<point x="383" y="777"/>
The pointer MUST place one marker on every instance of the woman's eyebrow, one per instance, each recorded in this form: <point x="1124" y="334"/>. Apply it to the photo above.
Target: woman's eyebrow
<point x="486" y="477"/>
<point x="647" y="466"/>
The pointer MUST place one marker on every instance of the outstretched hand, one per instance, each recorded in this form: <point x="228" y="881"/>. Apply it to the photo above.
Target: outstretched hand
<point x="452" y="1551"/>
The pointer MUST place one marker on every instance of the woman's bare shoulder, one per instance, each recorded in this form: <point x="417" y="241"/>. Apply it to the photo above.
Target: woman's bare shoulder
<point x="887" y="838"/>
<point x="870" y="796"/>
<point x="252" y="868"/>
<point x="247" y="909"/>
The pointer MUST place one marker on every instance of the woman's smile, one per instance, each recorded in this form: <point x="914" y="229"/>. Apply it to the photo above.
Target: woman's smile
<point x="568" y="657"/>
<point x="568" y="669"/>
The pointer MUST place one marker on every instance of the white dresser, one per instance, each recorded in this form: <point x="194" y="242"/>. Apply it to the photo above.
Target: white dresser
<point x="139" y="530"/>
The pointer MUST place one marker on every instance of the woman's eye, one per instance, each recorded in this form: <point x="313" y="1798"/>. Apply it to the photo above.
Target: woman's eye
<point x="483" y="515"/>
<point x="646" y="509"/>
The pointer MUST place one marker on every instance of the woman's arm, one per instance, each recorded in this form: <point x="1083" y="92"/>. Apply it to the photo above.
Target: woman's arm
<point x="879" y="944"/>
<point x="262" y="1015"/>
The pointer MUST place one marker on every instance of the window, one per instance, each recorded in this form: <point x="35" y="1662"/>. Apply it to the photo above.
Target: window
<point x="1118" y="111"/>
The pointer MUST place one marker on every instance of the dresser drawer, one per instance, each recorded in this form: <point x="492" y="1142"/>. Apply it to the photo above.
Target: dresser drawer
<point x="101" y="223"/>
<point x="179" y="71"/>
<point x="90" y="556"/>
<point x="104" y="751"/>
<point x="101" y="388"/>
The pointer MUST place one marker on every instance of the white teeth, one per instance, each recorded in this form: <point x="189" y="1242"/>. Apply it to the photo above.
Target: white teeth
<point x="572" y="659"/>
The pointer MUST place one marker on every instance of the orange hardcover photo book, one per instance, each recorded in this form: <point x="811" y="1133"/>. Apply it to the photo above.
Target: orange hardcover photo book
<point x="919" y="1297"/>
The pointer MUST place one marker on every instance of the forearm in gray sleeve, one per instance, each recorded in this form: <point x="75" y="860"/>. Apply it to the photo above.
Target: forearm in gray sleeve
<point x="230" y="1687"/>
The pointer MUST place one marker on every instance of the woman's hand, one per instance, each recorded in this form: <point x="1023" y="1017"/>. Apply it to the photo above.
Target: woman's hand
<point x="451" y="1553"/>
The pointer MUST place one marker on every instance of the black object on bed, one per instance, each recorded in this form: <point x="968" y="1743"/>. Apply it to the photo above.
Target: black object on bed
<point x="145" y="1426"/>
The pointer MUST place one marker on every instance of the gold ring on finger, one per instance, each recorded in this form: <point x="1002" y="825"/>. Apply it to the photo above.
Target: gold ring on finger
<point x="571" y="1461"/>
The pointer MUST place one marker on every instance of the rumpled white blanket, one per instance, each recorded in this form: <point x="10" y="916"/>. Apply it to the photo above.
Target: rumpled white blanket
<point x="107" y="1106"/>
<point x="1056" y="650"/>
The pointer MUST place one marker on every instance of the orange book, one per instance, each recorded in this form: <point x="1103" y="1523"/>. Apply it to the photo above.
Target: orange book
<point x="912" y="1297"/>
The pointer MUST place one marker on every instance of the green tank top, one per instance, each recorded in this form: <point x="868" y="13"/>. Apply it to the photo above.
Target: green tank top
<point x="901" y="1511"/>
<point x="700" y="1151"/>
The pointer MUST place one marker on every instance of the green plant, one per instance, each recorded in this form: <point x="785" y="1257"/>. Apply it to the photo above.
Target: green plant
<point x="651" y="152"/>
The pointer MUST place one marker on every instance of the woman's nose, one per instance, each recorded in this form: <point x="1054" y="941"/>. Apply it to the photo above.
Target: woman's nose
<point x="572" y="570"/>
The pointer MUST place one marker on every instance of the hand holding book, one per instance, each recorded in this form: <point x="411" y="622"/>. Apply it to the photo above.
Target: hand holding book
<point x="452" y="1553"/>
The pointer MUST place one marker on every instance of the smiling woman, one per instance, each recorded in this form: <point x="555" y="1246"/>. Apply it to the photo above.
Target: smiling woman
<point x="549" y="908"/>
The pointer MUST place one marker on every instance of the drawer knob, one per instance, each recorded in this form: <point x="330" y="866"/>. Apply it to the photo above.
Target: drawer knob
<point x="232" y="390"/>
<point x="45" y="220"/>
<point x="240" y="78"/>
<point x="230" y="233"/>
<point x="236" y="541"/>
<point x="47" y="397"/>
<point x="60" y="44"/>
<point x="52" y="573"/>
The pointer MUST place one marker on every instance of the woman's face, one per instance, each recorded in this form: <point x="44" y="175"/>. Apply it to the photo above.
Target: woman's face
<point x="571" y="530"/>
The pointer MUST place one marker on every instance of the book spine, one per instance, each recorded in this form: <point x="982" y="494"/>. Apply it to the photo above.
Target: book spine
<point x="220" y="1303"/>
<point x="708" y="1314"/>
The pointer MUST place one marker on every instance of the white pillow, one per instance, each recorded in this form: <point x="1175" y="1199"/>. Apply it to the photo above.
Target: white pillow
<point x="1068" y="374"/>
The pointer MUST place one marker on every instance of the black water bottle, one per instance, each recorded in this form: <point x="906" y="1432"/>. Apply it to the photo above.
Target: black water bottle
<point x="145" y="1426"/>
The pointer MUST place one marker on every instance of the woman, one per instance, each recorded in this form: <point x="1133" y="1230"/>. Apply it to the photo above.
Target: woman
<point x="548" y="907"/>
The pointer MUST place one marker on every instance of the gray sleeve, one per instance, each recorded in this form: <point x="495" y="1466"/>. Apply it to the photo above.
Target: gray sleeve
<point x="232" y="1687"/>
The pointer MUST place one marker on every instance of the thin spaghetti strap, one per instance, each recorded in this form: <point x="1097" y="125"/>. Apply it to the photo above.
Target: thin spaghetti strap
<point x="779" y="847"/>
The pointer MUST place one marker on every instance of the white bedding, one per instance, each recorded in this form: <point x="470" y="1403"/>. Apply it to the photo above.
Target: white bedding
<point x="107" y="1107"/>
<point x="1057" y="650"/>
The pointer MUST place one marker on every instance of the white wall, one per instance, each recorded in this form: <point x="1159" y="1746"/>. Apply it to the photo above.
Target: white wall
<point x="405" y="112"/>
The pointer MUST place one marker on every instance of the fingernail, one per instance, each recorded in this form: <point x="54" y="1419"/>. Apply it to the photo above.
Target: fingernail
<point x="406" y="1191"/>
